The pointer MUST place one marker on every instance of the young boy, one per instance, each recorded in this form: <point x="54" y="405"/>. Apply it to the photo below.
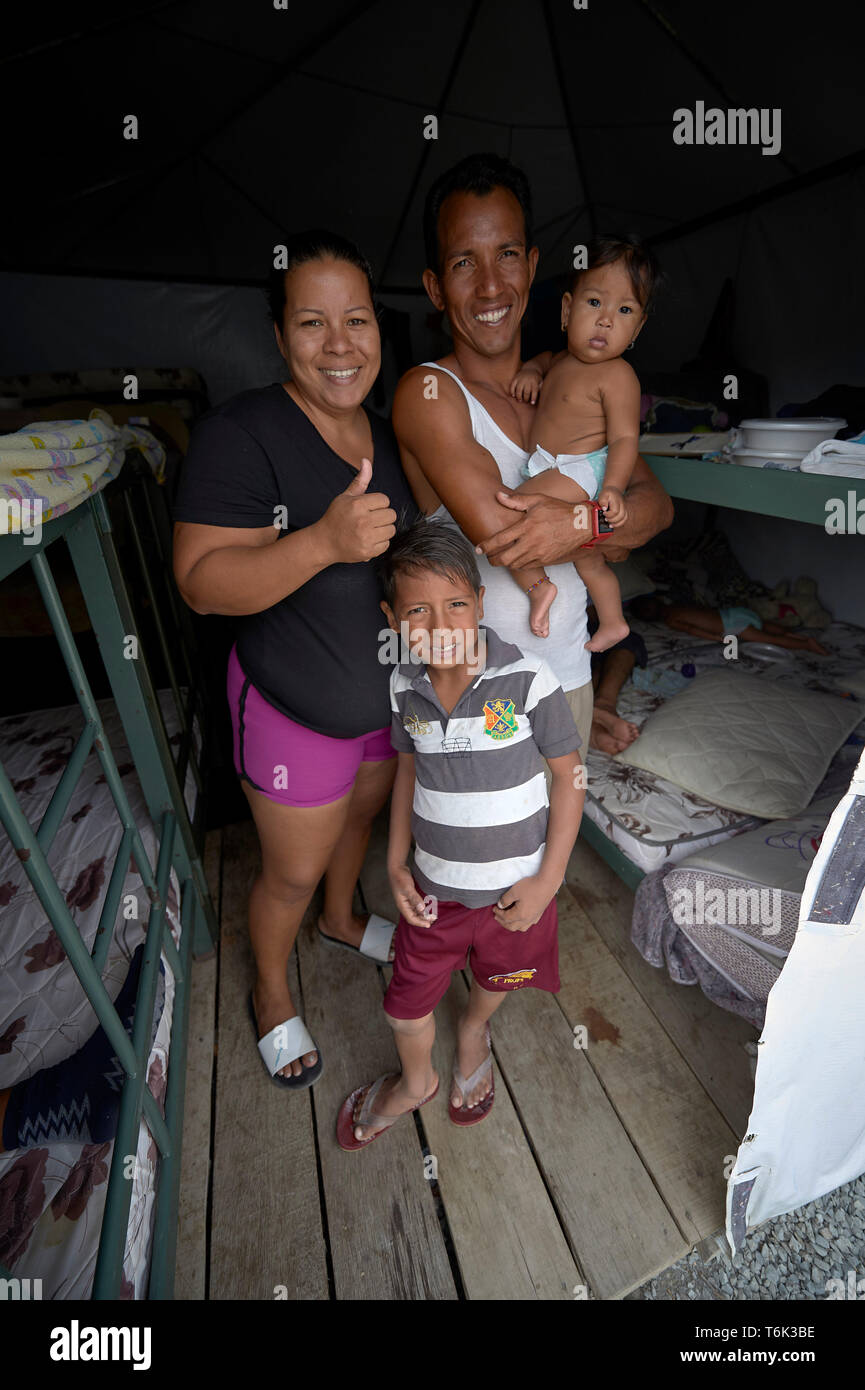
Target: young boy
<point x="473" y="721"/>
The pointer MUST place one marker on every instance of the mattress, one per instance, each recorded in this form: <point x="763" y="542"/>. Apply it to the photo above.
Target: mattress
<point x="52" y="1196"/>
<point x="738" y="903"/>
<point x="655" y="823"/>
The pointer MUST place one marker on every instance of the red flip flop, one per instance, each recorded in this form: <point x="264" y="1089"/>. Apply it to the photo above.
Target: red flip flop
<point x="472" y="1115"/>
<point x="345" y="1121"/>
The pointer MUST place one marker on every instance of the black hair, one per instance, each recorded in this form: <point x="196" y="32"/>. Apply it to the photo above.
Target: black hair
<point x="316" y="244"/>
<point x="640" y="263"/>
<point x="428" y="545"/>
<point x="478" y="174"/>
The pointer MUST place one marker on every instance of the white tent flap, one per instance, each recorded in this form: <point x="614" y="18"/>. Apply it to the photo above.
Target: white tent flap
<point x="806" y="1133"/>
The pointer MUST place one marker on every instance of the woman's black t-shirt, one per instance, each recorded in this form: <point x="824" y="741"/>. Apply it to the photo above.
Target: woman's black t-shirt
<point x="313" y="655"/>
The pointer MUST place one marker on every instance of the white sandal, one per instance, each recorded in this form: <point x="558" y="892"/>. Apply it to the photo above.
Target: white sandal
<point x="286" y="1043"/>
<point x="375" y="942"/>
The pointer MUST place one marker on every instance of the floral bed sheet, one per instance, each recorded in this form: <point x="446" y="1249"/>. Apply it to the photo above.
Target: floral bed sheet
<point x="52" y="1196"/>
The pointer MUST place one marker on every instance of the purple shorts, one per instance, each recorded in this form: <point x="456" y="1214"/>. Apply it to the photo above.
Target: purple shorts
<point x="287" y="762"/>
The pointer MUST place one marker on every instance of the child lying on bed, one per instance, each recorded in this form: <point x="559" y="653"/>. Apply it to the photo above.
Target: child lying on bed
<point x="716" y="623"/>
<point x="587" y="429"/>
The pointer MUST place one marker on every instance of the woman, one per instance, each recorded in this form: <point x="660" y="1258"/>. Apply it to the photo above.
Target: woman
<point x="288" y="494"/>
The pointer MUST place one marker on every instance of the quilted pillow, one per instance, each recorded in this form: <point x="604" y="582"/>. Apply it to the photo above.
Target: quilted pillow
<point x="744" y="742"/>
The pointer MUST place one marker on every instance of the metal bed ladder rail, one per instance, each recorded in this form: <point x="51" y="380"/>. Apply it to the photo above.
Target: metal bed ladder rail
<point x="108" y="605"/>
<point x="105" y="593"/>
<point x="150" y="531"/>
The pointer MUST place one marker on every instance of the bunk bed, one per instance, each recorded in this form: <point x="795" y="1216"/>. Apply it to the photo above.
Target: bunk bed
<point x="103" y="808"/>
<point x="638" y="822"/>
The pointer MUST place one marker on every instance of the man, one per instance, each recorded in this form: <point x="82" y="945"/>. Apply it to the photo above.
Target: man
<point x="462" y="435"/>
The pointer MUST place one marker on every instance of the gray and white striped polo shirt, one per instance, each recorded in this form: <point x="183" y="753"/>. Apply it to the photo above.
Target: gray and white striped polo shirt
<point x="480" y="809"/>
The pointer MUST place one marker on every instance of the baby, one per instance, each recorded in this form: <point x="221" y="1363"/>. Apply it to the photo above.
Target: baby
<point x="586" y="434"/>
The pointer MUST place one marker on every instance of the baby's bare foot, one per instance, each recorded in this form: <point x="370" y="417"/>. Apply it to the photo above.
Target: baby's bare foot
<point x="607" y="635"/>
<point x="540" y="602"/>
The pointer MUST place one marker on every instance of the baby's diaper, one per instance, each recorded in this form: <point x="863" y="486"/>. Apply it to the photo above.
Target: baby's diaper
<point x="737" y="619"/>
<point x="586" y="470"/>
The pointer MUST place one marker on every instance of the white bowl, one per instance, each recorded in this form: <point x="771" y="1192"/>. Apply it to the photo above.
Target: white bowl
<point x="759" y="458"/>
<point x="764" y="651"/>
<point x="798" y="436"/>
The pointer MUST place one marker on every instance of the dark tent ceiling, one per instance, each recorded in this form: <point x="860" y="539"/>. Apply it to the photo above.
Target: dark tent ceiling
<point x="255" y="120"/>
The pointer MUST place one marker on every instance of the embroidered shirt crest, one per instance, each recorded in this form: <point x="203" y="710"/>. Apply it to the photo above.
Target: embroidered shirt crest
<point x="415" y="726"/>
<point x="501" y="721"/>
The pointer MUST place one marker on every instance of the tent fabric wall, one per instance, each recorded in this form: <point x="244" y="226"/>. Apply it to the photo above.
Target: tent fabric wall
<point x="805" y="1135"/>
<point x="251" y="117"/>
<point x="795" y="264"/>
<point x="794" y="321"/>
<point x="61" y="322"/>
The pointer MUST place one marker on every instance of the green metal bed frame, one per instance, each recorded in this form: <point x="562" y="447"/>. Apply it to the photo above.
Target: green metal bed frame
<point x="89" y="535"/>
<point x="766" y="491"/>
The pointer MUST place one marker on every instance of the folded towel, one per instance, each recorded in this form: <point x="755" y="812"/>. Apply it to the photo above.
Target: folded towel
<point x="57" y="463"/>
<point x="843" y="457"/>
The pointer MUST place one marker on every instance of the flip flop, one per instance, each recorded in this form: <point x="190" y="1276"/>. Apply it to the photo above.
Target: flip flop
<point x="294" y="1040"/>
<point x="345" y="1122"/>
<point x="375" y="942"/>
<point x="472" y="1115"/>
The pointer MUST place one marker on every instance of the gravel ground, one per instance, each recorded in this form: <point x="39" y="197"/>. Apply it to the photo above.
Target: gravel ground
<point x="792" y="1257"/>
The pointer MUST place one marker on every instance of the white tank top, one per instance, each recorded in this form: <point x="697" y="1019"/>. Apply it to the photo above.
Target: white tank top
<point x="506" y="607"/>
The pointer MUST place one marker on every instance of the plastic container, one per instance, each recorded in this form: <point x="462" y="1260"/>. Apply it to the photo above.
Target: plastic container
<point x="766" y="458"/>
<point x="788" y="436"/>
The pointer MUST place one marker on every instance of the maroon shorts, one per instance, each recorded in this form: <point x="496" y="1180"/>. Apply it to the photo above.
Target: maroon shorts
<point x="500" y="960"/>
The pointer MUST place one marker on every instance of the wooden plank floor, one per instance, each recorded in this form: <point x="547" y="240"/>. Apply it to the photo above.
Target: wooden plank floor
<point x="598" y="1167"/>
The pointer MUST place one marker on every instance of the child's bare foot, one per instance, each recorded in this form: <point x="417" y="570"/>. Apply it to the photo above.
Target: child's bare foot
<point x="392" y="1101"/>
<point x="540" y="602"/>
<point x="607" y="635"/>
<point x="813" y="645"/>
<point x="471" y="1051"/>
<point x="610" y="733"/>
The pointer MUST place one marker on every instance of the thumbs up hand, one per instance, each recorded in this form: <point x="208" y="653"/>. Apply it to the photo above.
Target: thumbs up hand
<point x="358" y="525"/>
<point x="360" y="482"/>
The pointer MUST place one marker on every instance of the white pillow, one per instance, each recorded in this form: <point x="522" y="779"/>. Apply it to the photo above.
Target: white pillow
<point x="632" y="582"/>
<point x="745" y="742"/>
